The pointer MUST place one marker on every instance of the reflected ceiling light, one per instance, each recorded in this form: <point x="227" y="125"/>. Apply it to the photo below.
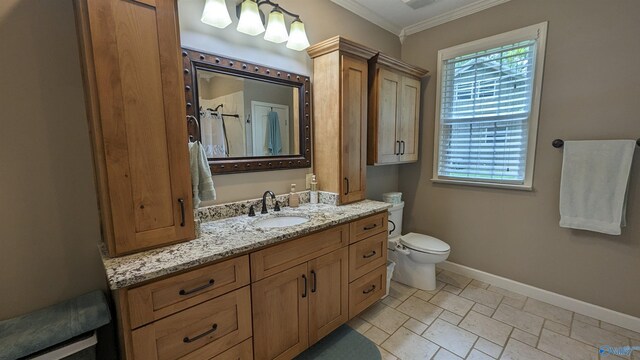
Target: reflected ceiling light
<point x="216" y="14"/>
<point x="297" y="36"/>
<point x="250" y="22"/>
<point x="276" y="28"/>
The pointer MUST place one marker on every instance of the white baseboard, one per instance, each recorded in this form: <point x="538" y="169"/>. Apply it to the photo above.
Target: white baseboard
<point x="579" y="306"/>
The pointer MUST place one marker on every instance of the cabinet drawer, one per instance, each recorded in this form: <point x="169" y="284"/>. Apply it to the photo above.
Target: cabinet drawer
<point x="242" y="351"/>
<point x="282" y="257"/>
<point x="199" y="332"/>
<point x="371" y="225"/>
<point x="367" y="290"/>
<point x="367" y="255"/>
<point x="165" y="297"/>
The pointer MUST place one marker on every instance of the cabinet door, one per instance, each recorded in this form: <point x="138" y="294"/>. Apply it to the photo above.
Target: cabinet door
<point x="409" y="123"/>
<point x="281" y="314"/>
<point x="136" y="106"/>
<point x="389" y="89"/>
<point x="329" y="293"/>
<point x="354" y="129"/>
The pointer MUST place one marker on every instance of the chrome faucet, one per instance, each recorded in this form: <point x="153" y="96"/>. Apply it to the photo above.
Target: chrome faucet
<point x="264" y="202"/>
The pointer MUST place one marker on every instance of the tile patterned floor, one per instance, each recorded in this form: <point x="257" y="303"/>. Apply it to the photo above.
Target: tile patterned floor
<point x="468" y="319"/>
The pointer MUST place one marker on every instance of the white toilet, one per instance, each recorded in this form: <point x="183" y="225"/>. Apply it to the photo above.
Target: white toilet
<point x="415" y="255"/>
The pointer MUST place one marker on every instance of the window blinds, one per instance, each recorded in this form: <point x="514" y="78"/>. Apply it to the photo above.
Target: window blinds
<point x="485" y="110"/>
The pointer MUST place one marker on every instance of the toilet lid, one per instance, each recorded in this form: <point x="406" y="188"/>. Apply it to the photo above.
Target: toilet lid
<point x="424" y="243"/>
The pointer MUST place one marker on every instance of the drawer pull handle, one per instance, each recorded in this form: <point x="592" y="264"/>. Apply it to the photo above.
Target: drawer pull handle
<point x="199" y="288"/>
<point x="369" y="227"/>
<point x="187" y="340"/>
<point x="314" y="284"/>
<point x="373" y="287"/>
<point x="366" y="256"/>
<point x="304" y="278"/>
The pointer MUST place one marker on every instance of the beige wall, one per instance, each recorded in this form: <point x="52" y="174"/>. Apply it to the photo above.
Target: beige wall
<point x="48" y="211"/>
<point x="322" y="19"/>
<point x="591" y="90"/>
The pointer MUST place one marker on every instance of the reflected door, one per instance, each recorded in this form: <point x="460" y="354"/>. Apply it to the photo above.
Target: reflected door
<point x="261" y="134"/>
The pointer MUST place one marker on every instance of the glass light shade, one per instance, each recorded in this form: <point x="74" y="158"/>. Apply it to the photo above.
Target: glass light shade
<point x="250" y="22"/>
<point x="297" y="36"/>
<point x="216" y="14"/>
<point x="276" y="28"/>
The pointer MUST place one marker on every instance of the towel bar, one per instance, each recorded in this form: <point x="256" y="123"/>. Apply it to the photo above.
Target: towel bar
<point x="558" y="143"/>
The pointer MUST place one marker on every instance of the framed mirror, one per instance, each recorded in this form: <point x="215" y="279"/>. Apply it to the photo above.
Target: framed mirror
<point x="248" y="117"/>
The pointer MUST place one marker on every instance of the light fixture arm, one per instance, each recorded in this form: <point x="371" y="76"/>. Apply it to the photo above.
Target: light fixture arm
<point x="278" y="7"/>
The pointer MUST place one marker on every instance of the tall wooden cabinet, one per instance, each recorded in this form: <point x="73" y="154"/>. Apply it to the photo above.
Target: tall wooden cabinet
<point x="135" y="104"/>
<point x="340" y="71"/>
<point x="394" y="109"/>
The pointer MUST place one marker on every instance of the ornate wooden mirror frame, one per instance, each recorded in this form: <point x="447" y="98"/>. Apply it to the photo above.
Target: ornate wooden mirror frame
<point x="194" y="60"/>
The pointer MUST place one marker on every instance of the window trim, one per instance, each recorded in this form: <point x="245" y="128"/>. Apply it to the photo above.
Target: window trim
<point x="537" y="31"/>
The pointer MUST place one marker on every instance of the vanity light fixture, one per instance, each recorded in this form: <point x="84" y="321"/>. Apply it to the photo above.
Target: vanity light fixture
<point x="250" y="22"/>
<point x="276" y="28"/>
<point x="216" y="14"/>
<point x="298" y="38"/>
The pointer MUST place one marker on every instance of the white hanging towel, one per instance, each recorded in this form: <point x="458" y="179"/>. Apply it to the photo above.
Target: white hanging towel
<point x="212" y="131"/>
<point x="201" y="181"/>
<point x="593" y="189"/>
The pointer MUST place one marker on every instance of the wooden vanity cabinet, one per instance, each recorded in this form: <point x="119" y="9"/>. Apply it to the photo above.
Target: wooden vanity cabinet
<point x="340" y="100"/>
<point x="394" y="111"/>
<point x="305" y="302"/>
<point x="135" y="105"/>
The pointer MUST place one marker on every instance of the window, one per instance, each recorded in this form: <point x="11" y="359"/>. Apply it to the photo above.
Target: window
<point x="488" y="98"/>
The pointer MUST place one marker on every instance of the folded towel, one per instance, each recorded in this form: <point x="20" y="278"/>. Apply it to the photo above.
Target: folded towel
<point x="201" y="181"/>
<point x="593" y="189"/>
<point x="273" y="133"/>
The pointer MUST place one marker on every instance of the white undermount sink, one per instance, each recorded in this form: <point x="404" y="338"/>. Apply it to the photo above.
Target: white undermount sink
<point x="280" y="221"/>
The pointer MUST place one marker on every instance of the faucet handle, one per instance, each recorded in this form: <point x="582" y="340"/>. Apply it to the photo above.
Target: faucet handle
<point x="277" y="207"/>
<point x="252" y="212"/>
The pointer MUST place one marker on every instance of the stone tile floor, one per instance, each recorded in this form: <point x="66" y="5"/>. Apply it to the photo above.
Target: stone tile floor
<point x="468" y="319"/>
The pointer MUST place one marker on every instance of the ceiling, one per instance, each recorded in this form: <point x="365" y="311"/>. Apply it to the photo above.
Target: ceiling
<point x="406" y="17"/>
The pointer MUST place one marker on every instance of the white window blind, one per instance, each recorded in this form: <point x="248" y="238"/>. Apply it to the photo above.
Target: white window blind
<point x="485" y="113"/>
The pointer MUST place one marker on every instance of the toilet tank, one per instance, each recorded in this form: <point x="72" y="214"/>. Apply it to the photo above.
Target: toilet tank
<point x="395" y="217"/>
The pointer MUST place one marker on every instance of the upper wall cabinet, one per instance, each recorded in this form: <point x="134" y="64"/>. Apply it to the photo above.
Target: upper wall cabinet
<point x="135" y="103"/>
<point x="340" y="72"/>
<point x="394" y="111"/>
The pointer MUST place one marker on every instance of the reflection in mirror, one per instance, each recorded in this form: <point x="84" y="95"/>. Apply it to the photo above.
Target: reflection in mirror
<point x="242" y="117"/>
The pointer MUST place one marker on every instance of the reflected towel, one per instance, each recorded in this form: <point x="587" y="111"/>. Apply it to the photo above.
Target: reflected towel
<point x="593" y="189"/>
<point x="201" y="181"/>
<point x="274" y="142"/>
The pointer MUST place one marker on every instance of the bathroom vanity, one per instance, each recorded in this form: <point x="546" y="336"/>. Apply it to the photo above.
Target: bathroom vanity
<point x="245" y="291"/>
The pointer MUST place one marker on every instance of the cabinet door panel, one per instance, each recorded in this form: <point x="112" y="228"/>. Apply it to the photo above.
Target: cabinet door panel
<point x="281" y="314"/>
<point x="329" y="293"/>
<point x="142" y="151"/>
<point x="388" y="112"/>
<point x="409" y="123"/>
<point x="354" y="129"/>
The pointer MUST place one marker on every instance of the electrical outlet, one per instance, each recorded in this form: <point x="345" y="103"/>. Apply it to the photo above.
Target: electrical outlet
<point x="308" y="182"/>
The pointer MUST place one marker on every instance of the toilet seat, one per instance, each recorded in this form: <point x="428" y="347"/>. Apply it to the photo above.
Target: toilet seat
<point x="424" y="243"/>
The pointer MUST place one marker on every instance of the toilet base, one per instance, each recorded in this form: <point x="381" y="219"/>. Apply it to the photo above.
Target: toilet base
<point x="410" y="273"/>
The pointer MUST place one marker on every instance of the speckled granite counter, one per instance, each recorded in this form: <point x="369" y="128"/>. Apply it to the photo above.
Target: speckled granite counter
<point x="229" y="237"/>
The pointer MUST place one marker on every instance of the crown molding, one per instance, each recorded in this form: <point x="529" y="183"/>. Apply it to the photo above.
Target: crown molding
<point x="451" y="15"/>
<point x="402" y="33"/>
<point x="369" y="15"/>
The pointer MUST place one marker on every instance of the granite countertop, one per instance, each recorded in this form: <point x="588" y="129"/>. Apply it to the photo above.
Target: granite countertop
<point x="228" y="237"/>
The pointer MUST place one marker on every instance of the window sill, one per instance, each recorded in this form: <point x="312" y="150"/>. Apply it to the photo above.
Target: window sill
<point x="484" y="184"/>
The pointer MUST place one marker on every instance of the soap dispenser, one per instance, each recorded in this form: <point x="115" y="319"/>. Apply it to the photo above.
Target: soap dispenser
<point x="294" y="199"/>
<point x="313" y="194"/>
